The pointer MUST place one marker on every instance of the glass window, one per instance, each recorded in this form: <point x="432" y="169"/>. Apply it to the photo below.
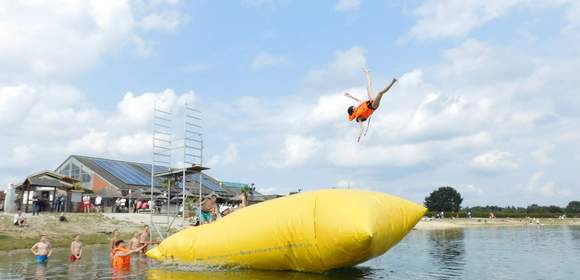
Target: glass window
<point x="65" y="170"/>
<point x="75" y="171"/>
<point x="85" y="177"/>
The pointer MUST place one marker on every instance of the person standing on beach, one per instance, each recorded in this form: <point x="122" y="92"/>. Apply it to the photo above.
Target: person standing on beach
<point x="35" y="205"/>
<point x="42" y="250"/>
<point x="144" y="239"/>
<point x="86" y="203"/>
<point x="76" y="248"/>
<point x="98" y="201"/>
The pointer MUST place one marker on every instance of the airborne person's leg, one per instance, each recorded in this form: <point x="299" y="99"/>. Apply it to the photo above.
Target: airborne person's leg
<point x="377" y="101"/>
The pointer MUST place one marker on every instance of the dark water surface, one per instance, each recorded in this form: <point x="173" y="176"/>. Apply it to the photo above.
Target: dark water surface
<point x="476" y="253"/>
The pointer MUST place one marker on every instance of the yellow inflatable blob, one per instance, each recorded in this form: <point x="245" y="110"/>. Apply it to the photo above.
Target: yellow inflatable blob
<point x="311" y="231"/>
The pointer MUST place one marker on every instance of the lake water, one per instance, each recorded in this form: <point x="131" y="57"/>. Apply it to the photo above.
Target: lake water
<point x="550" y="252"/>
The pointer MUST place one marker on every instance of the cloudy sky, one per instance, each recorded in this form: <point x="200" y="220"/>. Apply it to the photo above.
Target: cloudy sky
<point x="487" y="99"/>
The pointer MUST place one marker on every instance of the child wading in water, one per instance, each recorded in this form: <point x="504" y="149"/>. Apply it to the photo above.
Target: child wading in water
<point x="76" y="248"/>
<point x="134" y="243"/>
<point x="42" y="250"/>
<point x="144" y="239"/>
<point x="122" y="255"/>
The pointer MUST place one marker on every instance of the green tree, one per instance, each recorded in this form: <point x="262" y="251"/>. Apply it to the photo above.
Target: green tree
<point x="573" y="207"/>
<point x="444" y="199"/>
<point x="246" y="191"/>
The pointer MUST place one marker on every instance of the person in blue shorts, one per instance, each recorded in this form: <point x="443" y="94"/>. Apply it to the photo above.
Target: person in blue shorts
<point x="42" y="250"/>
<point x="208" y="209"/>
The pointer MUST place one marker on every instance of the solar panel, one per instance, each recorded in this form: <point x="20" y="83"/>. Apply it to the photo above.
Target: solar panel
<point x="124" y="171"/>
<point x="209" y="183"/>
<point x="158" y="169"/>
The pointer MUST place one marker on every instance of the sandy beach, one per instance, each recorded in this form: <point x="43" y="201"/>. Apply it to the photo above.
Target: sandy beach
<point x="94" y="229"/>
<point x="439" y="224"/>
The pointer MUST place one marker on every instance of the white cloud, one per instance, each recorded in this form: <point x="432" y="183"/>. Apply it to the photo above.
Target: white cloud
<point x="296" y="151"/>
<point x="137" y="110"/>
<point x="266" y="59"/>
<point x="346" y="152"/>
<point x="229" y="156"/>
<point x="269" y="190"/>
<point x="349" y="153"/>
<point x="73" y="35"/>
<point x="347" y="5"/>
<point x="166" y="21"/>
<point x="449" y="18"/>
<point x="474" y="189"/>
<point x="44" y="124"/>
<point x="534" y="181"/>
<point x="344" y="69"/>
<point x="536" y="185"/>
<point x="494" y="161"/>
<point x="542" y="155"/>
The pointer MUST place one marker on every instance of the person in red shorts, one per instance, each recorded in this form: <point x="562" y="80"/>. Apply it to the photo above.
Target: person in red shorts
<point x="76" y="249"/>
<point x="144" y="239"/>
<point x="86" y="203"/>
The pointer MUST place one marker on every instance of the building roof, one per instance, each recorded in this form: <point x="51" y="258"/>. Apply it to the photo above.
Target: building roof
<point x="47" y="179"/>
<point x="127" y="175"/>
<point x="236" y="187"/>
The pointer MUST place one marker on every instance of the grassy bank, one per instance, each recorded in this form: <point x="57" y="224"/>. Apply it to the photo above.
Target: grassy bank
<point x="11" y="243"/>
<point x="93" y="228"/>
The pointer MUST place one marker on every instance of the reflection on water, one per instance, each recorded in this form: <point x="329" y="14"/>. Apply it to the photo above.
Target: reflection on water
<point x="476" y="253"/>
<point x="575" y="237"/>
<point x="169" y="273"/>
<point x="40" y="272"/>
<point x="447" y="251"/>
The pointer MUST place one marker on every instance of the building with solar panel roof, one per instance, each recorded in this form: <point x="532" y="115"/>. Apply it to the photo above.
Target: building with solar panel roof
<point x="112" y="179"/>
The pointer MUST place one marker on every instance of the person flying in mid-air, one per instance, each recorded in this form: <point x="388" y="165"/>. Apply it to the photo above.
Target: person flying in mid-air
<point x="365" y="109"/>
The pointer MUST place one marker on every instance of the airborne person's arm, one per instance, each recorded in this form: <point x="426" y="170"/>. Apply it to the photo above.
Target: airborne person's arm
<point x="369" y="83"/>
<point x="350" y="96"/>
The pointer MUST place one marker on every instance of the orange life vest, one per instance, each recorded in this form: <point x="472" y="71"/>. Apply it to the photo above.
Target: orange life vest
<point x="121" y="261"/>
<point x="364" y="110"/>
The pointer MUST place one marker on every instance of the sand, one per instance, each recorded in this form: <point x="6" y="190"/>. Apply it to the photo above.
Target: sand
<point x="438" y="224"/>
<point x="93" y="228"/>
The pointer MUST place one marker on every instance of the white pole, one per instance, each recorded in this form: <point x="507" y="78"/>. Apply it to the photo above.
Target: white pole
<point x="152" y="170"/>
<point x="184" y="159"/>
<point x="200" y="175"/>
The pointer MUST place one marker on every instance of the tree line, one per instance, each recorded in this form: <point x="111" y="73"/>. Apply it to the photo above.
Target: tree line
<point x="447" y="199"/>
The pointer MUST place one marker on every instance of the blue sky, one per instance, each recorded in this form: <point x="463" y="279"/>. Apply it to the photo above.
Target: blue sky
<point x="486" y="100"/>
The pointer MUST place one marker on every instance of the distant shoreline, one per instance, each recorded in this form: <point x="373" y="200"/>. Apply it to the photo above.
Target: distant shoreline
<point x="447" y="223"/>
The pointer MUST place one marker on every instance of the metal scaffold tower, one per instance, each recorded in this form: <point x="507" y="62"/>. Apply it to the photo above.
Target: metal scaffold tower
<point x="160" y="162"/>
<point x="192" y="147"/>
<point x="188" y="153"/>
